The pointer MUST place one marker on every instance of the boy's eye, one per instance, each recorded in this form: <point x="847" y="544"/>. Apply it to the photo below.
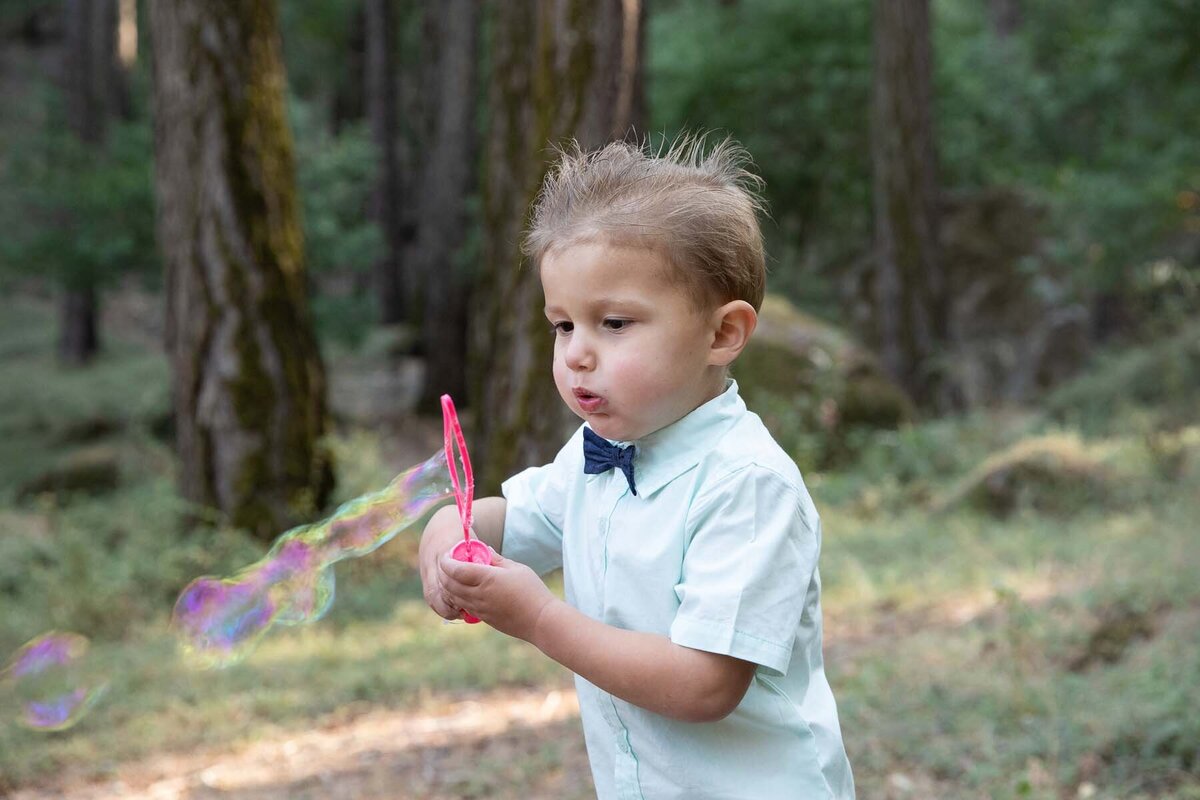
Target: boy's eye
<point x="616" y="324"/>
<point x="562" y="327"/>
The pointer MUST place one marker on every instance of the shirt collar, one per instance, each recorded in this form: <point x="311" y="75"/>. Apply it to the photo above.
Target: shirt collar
<point x="667" y="453"/>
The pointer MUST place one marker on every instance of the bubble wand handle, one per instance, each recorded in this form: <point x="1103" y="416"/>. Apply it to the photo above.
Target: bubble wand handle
<point x="469" y="549"/>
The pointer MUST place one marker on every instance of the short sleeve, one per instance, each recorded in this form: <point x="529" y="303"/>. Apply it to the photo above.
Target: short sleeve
<point x="752" y="554"/>
<point x="534" y="512"/>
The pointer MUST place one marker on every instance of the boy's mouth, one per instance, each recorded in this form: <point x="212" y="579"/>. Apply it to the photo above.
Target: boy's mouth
<point x="588" y="401"/>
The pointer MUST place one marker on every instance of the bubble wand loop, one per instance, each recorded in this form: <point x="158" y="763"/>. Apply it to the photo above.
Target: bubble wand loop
<point x="469" y="549"/>
<point x="452" y="434"/>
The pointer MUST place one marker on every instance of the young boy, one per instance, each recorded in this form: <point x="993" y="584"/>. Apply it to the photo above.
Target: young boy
<point x="687" y="539"/>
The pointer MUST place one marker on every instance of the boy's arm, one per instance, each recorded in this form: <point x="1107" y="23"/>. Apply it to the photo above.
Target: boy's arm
<point x="645" y="669"/>
<point x="443" y="531"/>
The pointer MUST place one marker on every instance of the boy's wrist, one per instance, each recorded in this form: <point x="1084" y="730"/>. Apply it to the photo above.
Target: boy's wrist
<point x="544" y="624"/>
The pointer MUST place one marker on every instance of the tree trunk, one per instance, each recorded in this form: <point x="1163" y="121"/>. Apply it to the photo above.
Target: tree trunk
<point x="555" y="74"/>
<point x="247" y="380"/>
<point x="909" y="298"/>
<point x="385" y="200"/>
<point x="631" y="92"/>
<point x="94" y="92"/>
<point x="1004" y="16"/>
<point x="77" y="336"/>
<point x="449" y="176"/>
<point x="349" y="104"/>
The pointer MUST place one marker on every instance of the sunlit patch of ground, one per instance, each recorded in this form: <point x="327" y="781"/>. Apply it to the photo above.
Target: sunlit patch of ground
<point x="506" y="744"/>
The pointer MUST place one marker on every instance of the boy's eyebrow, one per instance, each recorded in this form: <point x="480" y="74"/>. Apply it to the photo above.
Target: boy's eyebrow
<point x="606" y="302"/>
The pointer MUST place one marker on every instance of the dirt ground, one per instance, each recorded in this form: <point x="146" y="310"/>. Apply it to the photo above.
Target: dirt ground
<point x="507" y="745"/>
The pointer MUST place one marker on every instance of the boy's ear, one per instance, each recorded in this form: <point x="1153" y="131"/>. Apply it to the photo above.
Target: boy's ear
<point x="733" y="324"/>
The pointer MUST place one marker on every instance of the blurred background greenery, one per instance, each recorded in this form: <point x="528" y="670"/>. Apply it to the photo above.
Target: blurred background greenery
<point x="1010" y="556"/>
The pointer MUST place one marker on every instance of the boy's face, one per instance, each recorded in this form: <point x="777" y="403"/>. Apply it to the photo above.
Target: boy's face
<point x="631" y="351"/>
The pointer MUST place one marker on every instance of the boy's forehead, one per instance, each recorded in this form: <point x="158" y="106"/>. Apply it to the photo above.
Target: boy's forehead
<point x="603" y="300"/>
<point x="602" y="266"/>
<point x="620" y="287"/>
<point x="608" y="271"/>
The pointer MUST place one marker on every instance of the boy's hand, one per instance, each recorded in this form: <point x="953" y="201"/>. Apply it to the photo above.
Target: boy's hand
<point x="507" y="595"/>
<point x="441" y="534"/>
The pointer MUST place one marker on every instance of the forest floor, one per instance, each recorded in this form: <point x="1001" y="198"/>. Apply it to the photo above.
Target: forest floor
<point x="505" y="744"/>
<point x="1048" y="651"/>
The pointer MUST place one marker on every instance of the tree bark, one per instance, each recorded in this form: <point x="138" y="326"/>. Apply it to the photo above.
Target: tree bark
<point x="555" y="74"/>
<point x="94" y="93"/>
<point x="909" y="296"/>
<point x="631" y="114"/>
<point x="1004" y="16"/>
<point x="247" y="380"/>
<point x="78" y="336"/>
<point x="385" y="201"/>
<point x="349" y="103"/>
<point x="448" y="179"/>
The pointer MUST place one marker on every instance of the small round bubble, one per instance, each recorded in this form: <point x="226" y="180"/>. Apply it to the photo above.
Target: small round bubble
<point x="53" y="681"/>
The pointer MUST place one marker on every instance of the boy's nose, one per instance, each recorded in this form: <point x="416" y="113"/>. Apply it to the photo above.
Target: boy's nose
<point x="579" y="355"/>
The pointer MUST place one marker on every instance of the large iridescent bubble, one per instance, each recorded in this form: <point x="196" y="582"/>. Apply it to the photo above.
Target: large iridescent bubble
<point x="219" y="620"/>
<point x="53" y="681"/>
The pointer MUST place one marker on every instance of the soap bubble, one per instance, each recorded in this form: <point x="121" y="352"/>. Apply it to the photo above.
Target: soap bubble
<point x="53" y="681"/>
<point x="219" y="620"/>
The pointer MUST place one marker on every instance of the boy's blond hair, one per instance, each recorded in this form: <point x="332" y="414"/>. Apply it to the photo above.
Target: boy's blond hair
<point x="698" y="210"/>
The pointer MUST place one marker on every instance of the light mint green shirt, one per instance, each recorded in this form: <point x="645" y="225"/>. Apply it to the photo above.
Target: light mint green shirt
<point x="718" y="551"/>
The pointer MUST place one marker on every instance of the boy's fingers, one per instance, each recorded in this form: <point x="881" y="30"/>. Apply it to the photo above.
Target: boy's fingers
<point x="463" y="572"/>
<point x="435" y="597"/>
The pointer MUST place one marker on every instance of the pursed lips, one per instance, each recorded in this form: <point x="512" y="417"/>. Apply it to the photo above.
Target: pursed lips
<point x="589" y="401"/>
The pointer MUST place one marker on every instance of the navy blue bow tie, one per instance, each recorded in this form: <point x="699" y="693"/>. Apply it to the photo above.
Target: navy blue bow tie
<point x="601" y="456"/>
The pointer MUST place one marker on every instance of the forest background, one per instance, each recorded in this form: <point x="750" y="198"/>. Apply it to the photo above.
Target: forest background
<point x="247" y="245"/>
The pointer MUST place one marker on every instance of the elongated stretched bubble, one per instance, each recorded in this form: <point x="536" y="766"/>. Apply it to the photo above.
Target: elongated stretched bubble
<point x="53" y="681"/>
<point x="219" y="620"/>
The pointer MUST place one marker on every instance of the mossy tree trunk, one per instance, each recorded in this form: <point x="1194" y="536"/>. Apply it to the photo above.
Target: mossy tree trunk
<point x="93" y="90"/>
<point x="247" y="380"/>
<point x="909" y="295"/>
<point x="448" y="177"/>
<point x="555" y="74"/>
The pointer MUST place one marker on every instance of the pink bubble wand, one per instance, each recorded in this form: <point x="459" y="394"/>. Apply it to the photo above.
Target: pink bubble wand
<point x="469" y="549"/>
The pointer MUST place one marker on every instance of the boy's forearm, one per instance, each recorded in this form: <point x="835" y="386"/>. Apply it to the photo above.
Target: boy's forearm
<point x="645" y="669"/>
<point x="487" y="522"/>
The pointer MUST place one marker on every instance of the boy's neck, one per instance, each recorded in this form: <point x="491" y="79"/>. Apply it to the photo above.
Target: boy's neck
<point x="715" y="388"/>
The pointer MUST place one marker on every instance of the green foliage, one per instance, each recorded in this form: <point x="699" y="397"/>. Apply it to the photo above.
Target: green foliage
<point x="87" y="212"/>
<point x="1084" y="107"/>
<point x="316" y="35"/>
<point x="1091" y="107"/>
<point x="106" y="567"/>
<point x="335" y="174"/>
<point x="14" y="13"/>
<point x="1162" y="377"/>
<point x="791" y="81"/>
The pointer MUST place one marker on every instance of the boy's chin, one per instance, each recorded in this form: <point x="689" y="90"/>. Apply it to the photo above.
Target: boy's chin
<point x="614" y="431"/>
<point x="604" y="426"/>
